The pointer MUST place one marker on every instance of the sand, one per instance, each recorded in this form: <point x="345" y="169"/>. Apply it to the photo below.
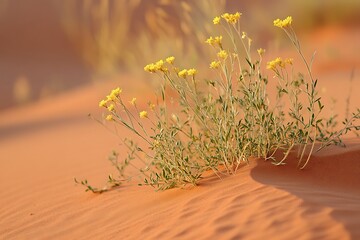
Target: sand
<point x="44" y="145"/>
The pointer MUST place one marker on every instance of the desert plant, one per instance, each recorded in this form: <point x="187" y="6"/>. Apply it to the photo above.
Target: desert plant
<point x="221" y="123"/>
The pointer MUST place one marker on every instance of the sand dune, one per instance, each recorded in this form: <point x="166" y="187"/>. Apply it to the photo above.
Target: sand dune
<point x="44" y="145"/>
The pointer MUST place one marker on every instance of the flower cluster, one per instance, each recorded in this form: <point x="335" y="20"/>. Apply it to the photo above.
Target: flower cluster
<point x="216" y="20"/>
<point x="182" y="73"/>
<point x="278" y="62"/>
<point x="187" y="72"/>
<point x="213" y="41"/>
<point x="143" y="114"/>
<point x="191" y="72"/>
<point x="283" y="23"/>
<point x="215" y="64"/>
<point x="112" y="97"/>
<point x="231" y="18"/>
<point x="222" y="54"/>
<point x="114" y="94"/>
<point x="159" y="65"/>
<point x="274" y="63"/>
<point x="170" y="60"/>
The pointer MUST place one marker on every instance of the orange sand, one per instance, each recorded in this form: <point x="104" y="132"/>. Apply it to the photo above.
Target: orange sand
<point x="45" y="144"/>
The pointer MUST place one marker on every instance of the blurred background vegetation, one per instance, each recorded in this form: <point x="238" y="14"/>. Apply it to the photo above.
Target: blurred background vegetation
<point x="47" y="46"/>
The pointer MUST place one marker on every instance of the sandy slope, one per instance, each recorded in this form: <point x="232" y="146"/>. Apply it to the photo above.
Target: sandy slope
<point x="45" y="144"/>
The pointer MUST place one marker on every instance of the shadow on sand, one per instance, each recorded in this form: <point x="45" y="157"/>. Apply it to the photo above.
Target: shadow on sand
<point x="331" y="180"/>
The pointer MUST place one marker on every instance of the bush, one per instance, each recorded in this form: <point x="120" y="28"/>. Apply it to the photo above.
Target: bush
<point x="221" y="123"/>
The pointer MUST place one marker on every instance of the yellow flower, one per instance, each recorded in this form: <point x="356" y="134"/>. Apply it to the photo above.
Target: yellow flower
<point x="261" y="51"/>
<point x="109" y="117"/>
<point x="111" y="107"/>
<point x="274" y="63"/>
<point x="133" y="101"/>
<point x="237" y="15"/>
<point x="191" y="72"/>
<point x="277" y="23"/>
<point x="170" y="60"/>
<point x="102" y="103"/>
<point x="216" y="20"/>
<point x="114" y="94"/>
<point x="222" y="54"/>
<point x="210" y="41"/>
<point x="218" y="39"/>
<point x="150" y="68"/>
<point x="116" y="91"/>
<point x="231" y="18"/>
<point x="215" y="64"/>
<point x="111" y="97"/>
<point x="182" y="73"/>
<point x="159" y="64"/>
<point x="283" y="23"/>
<point x="271" y="65"/>
<point x="225" y="16"/>
<point x="143" y="114"/>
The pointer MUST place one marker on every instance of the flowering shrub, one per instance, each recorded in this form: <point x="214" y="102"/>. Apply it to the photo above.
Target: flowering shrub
<point x="220" y="123"/>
